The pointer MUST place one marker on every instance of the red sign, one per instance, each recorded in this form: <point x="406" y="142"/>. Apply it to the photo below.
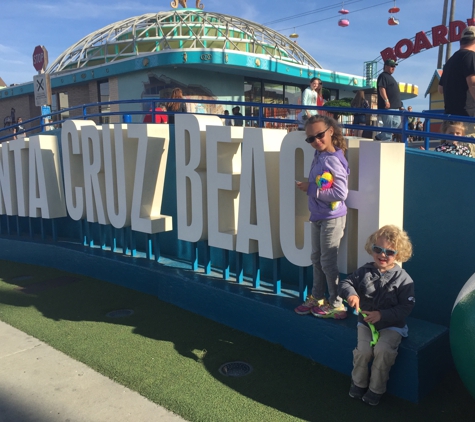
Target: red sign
<point x="40" y="58"/>
<point x="440" y="35"/>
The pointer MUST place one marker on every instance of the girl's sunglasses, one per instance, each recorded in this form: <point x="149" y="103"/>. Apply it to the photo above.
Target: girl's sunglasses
<point x="319" y="135"/>
<point x="387" y="252"/>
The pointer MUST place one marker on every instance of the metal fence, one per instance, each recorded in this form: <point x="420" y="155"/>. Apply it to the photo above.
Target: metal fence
<point x="268" y="115"/>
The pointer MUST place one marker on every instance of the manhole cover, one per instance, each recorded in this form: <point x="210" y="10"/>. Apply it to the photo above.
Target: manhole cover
<point x="120" y="313"/>
<point x="235" y="369"/>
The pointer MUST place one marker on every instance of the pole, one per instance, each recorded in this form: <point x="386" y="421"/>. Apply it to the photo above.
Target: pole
<point x="444" y="22"/>
<point x="452" y="17"/>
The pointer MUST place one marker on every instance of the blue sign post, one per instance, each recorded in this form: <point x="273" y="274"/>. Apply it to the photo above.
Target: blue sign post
<point x="46" y="113"/>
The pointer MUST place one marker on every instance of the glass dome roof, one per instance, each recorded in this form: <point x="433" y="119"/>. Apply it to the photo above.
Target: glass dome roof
<point x="176" y="30"/>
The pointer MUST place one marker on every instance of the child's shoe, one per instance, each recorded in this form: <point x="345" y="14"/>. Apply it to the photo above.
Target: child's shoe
<point x="309" y="303"/>
<point x="328" y="311"/>
<point x="371" y="398"/>
<point x="356" y="392"/>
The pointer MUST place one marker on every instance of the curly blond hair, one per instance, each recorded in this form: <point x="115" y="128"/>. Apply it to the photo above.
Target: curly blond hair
<point x="338" y="140"/>
<point x="398" y="239"/>
<point x="448" y="123"/>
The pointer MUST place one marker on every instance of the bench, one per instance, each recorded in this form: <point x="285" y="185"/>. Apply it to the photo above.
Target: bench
<point x="424" y="357"/>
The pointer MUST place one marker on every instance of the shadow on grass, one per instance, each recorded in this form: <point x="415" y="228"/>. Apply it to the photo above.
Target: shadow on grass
<point x="138" y="351"/>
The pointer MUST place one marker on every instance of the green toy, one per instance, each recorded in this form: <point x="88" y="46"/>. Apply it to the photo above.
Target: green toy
<point x="374" y="331"/>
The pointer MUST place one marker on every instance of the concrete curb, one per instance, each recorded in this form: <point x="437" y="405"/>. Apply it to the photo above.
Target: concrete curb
<point x="41" y="384"/>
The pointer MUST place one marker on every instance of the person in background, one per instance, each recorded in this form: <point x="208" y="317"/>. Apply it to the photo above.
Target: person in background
<point x="450" y="127"/>
<point x="176" y="107"/>
<point x="160" y="116"/>
<point x="411" y="124"/>
<point x="384" y="293"/>
<point x="359" y="118"/>
<point x="18" y="129"/>
<point x="420" y="127"/>
<point x="48" y="124"/>
<point x="227" y="120"/>
<point x="457" y="83"/>
<point x="326" y="189"/>
<point x="469" y="145"/>
<point x="389" y="97"/>
<point x="237" y="112"/>
<point x="312" y="96"/>
<point x="453" y="147"/>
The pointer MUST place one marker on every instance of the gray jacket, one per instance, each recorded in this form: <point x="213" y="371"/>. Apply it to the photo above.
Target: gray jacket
<point x="391" y="293"/>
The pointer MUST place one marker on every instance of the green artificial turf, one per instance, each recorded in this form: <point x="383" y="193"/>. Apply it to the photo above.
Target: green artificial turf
<point x="172" y="356"/>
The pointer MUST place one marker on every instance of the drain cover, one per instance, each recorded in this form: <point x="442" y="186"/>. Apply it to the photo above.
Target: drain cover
<point x="120" y="313"/>
<point x="235" y="369"/>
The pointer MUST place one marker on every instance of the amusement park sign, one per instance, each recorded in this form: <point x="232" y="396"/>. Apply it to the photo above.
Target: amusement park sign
<point x="235" y="186"/>
<point x="441" y="34"/>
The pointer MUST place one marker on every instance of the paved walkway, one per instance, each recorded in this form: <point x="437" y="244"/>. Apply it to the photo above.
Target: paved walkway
<point x="40" y="384"/>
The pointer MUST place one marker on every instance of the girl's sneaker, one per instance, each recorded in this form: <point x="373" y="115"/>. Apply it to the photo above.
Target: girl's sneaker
<point x="309" y="303"/>
<point x="328" y="311"/>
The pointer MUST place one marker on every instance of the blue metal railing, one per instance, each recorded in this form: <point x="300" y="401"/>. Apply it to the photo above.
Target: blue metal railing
<point x="37" y="124"/>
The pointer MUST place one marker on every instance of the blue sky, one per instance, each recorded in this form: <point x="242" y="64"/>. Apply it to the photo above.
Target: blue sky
<point x="59" y="24"/>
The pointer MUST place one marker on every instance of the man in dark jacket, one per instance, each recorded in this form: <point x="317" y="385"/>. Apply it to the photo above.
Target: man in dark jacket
<point x="389" y="97"/>
<point x="457" y="83"/>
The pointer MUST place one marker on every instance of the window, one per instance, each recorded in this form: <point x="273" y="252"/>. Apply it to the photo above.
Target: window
<point x="252" y="94"/>
<point x="103" y="91"/>
<point x="59" y="101"/>
<point x="272" y="93"/>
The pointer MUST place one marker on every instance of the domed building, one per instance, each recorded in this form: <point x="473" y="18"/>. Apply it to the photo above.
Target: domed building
<point x="210" y="56"/>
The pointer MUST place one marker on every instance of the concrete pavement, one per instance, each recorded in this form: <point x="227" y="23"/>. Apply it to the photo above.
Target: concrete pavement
<point x="41" y="384"/>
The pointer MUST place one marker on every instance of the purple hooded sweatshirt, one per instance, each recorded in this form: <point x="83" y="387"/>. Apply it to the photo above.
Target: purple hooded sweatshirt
<point x="319" y="200"/>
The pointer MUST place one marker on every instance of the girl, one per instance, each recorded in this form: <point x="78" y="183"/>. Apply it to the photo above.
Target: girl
<point x="312" y="96"/>
<point x="177" y="93"/>
<point x="360" y="118"/>
<point x="385" y="293"/>
<point x="452" y="147"/>
<point x="327" y="190"/>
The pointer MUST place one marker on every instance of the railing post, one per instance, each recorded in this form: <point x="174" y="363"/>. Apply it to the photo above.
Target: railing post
<point x="404" y="128"/>
<point x="207" y="257"/>
<point x="276" y="272"/>
<point x="256" y="270"/>
<point x="303" y="289"/>
<point x="226" y="254"/>
<point x="194" y="256"/>
<point x="154" y="106"/>
<point x="156" y="246"/>
<point x="239" y="268"/>
<point x="426" y="139"/>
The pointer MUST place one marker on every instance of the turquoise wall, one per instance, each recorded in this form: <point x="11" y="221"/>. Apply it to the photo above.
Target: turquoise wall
<point x="439" y="209"/>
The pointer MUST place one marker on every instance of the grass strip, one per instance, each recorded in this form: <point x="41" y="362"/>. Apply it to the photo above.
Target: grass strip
<point x="172" y="356"/>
